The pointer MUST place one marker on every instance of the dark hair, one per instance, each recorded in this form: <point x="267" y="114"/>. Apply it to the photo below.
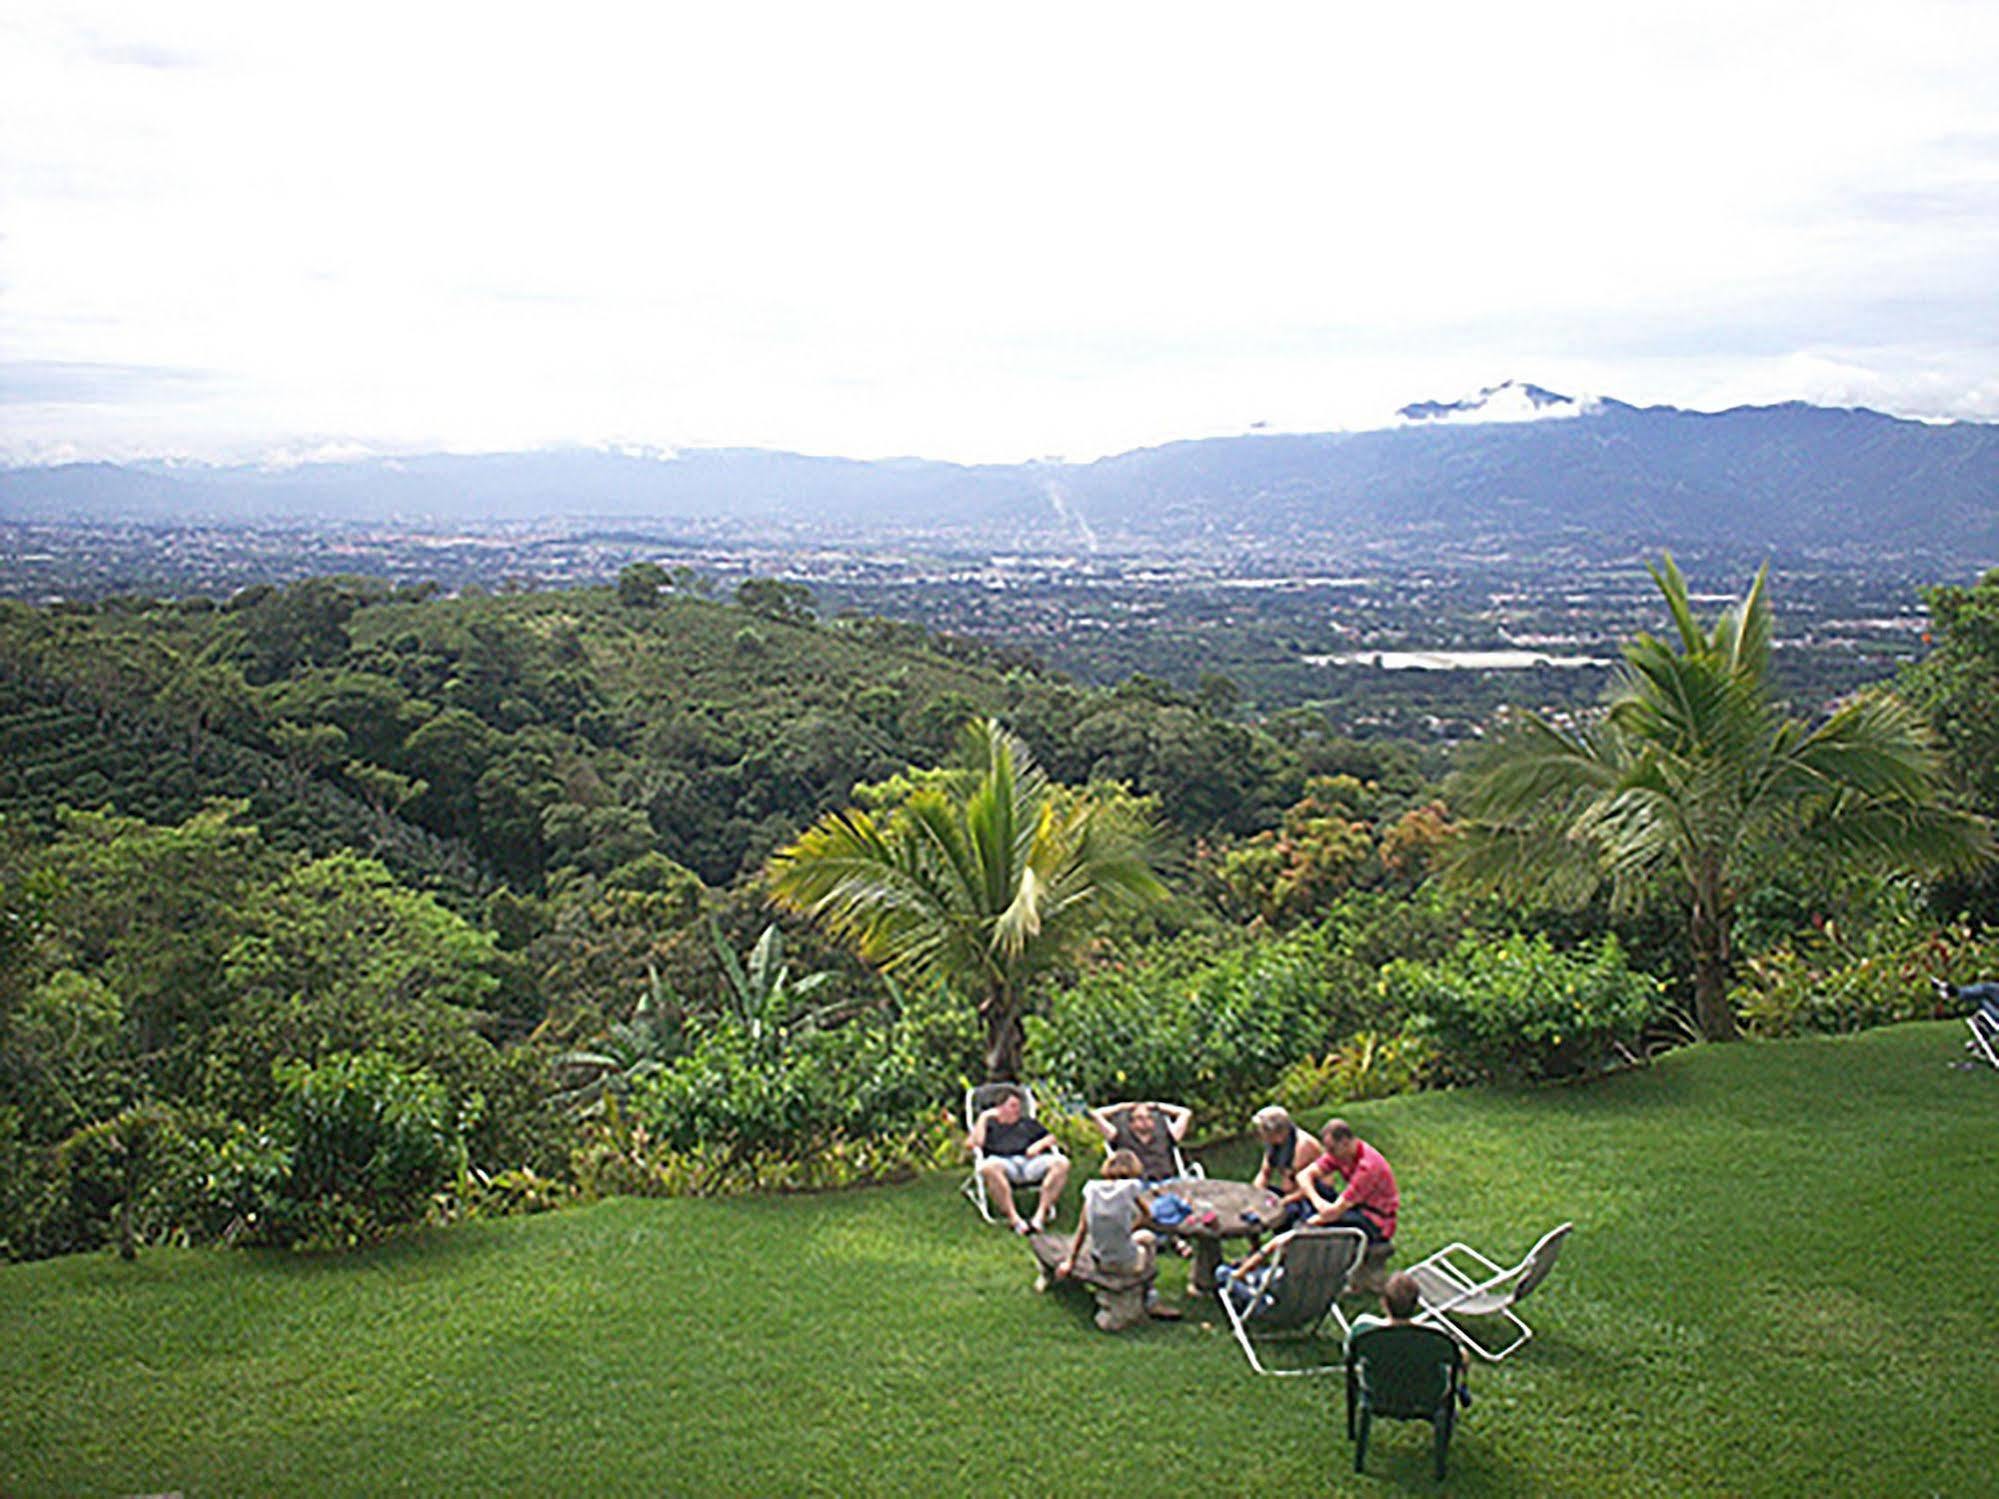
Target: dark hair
<point x="1401" y="1296"/>
<point x="1122" y="1164"/>
<point x="1336" y="1132"/>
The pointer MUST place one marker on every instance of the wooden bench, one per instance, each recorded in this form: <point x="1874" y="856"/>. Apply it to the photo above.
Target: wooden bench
<point x="1120" y="1293"/>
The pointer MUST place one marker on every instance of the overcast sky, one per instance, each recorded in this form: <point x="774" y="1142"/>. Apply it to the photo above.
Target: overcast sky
<point x="973" y="231"/>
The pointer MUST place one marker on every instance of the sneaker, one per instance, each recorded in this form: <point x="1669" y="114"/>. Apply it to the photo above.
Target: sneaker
<point x="1020" y="1226"/>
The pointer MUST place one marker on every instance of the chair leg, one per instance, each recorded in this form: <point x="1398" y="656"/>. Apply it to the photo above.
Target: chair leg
<point x="1360" y="1441"/>
<point x="1441" y="1438"/>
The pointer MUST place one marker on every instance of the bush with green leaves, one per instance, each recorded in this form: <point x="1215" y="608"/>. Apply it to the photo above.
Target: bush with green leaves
<point x="127" y="1176"/>
<point x="1518" y="1007"/>
<point x="1833" y="980"/>
<point x="1213" y="1037"/>
<point x="746" y="1113"/>
<point x="1367" y="1064"/>
<point x="357" y="1146"/>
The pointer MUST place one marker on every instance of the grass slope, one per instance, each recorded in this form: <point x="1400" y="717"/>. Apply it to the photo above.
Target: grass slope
<point x="1781" y="1282"/>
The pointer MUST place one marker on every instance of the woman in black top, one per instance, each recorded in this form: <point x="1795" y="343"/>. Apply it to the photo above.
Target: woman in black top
<point x="1287" y="1150"/>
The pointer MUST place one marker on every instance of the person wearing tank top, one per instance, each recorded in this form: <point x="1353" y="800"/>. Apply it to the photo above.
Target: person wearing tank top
<point x="1287" y="1150"/>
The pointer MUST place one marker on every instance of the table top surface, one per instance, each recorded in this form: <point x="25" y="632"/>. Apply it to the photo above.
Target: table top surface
<point x="1229" y="1201"/>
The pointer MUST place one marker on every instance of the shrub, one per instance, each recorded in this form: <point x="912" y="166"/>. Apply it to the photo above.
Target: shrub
<point x="511" y="1193"/>
<point x="824" y="1108"/>
<point x="31" y="1198"/>
<point x="1368" y="1064"/>
<point x="1831" y="982"/>
<point x="1214" y="1038"/>
<point x="120" y="1173"/>
<point x="1519" y="1008"/>
<point x="357" y="1147"/>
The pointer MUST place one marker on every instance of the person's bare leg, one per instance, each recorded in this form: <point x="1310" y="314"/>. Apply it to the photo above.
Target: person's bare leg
<point x="1051" y="1189"/>
<point x="1000" y="1191"/>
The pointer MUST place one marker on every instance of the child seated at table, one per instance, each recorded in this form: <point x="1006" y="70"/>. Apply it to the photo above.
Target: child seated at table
<point x="1244" y="1282"/>
<point x="1114" y="1212"/>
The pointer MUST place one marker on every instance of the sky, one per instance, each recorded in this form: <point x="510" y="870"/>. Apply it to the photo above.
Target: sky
<point x="970" y="231"/>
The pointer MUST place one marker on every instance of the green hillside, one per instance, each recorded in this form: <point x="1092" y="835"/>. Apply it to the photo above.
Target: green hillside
<point x="1775" y="1287"/>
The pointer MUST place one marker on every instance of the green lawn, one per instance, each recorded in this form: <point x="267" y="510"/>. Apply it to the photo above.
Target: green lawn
<point x="1783" y="1280"/>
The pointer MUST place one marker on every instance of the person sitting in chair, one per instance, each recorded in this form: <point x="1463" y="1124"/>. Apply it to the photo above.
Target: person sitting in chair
<point x="1974" y="994"/>
<point x="1370" y="1200"/>
<point x="1247" y="1279"/>
<point x="1401" y="1299"/>
<point x="1018" y="1152"/>
<point x="1287" y="1150"/>
<point x="1148" y="1131"/>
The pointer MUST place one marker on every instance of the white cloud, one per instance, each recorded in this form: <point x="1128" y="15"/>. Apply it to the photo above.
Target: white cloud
<point x="978" y="232"/>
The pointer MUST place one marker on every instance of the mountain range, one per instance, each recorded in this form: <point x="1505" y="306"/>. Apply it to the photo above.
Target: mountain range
<point x="1516" y="463"/>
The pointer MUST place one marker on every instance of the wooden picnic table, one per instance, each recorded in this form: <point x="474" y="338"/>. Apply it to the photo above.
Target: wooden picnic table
<point x="1221" y="1210"/>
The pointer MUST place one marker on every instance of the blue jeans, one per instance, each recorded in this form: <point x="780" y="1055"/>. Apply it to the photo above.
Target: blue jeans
<point x="1245" y="1291"/>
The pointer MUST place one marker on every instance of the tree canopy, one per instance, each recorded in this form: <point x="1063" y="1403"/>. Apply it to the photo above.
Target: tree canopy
<point x="1692" y="769"/>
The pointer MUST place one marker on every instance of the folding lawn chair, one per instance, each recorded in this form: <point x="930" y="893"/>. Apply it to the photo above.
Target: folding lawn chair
<point x="977" y="1101"/>
<point x="1181" y="1165"/>
<point x="1984" y="1023"/>
<point x="1451" y="1289"/>
<point x="1407" y="1373"/>
<point x="1308" y="1270"/>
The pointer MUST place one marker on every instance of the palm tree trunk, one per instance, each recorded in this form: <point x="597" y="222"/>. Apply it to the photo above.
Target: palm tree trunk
<point x="1005" y="1036"/>
<point x="1712" y="962"/>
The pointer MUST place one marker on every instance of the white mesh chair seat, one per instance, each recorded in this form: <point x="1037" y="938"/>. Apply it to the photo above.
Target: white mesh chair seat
<point x="1457" y="1281"/>
<point x="1441" y="1286"/>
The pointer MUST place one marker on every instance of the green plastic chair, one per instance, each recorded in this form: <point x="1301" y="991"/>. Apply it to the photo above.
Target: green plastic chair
<point x="1407" y="1373"/>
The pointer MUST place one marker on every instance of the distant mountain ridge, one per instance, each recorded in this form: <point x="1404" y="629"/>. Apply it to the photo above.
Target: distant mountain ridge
<point x="1496" y="401"/>
<point x="1549" y="465"/>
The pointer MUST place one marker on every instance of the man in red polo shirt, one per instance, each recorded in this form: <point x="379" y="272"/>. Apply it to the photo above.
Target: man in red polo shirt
<point x="1369" y="1201"/>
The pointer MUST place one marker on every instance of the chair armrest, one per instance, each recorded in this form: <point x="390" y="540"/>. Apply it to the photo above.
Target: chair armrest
<point x="1442" y="1256"/>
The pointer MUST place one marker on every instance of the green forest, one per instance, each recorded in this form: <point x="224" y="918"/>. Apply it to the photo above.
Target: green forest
<point x="338" y="906"/>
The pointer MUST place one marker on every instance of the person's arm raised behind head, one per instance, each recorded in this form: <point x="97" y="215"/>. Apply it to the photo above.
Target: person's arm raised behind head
<point x="1105" y="1119"/>
<point x="1178" y="1117"/>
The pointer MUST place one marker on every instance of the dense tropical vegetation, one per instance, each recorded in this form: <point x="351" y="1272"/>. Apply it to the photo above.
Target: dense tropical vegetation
<point x="329" y="907"/>
<point x="1694" y="770"/>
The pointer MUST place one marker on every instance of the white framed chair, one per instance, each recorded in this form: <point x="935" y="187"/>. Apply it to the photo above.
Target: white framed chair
<point x="1984" y="1023"/>
<point x="1457" y="1281"/>
<point x="1193" y="1170"/>
<point x="977" y="1100"/>
<point x="1308" y="1269"/>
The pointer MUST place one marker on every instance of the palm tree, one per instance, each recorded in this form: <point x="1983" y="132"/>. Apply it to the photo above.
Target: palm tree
<point x="1691" y="771"/>
<point x="978" y="883"/>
